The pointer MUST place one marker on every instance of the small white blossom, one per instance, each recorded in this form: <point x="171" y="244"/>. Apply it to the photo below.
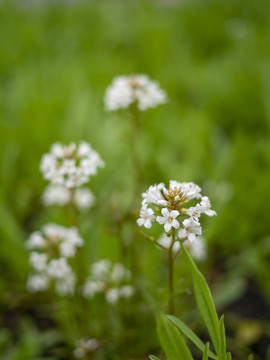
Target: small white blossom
<point x="84" y="346"/>
<point x="66" y="284"/>
<point x="56" y="195"/>
<point x="83" y="198"/>
<point x="126" y="90"/>
<point x="36" y="241"/>
<point x="206" y="205"/>
<point x="153" y="195"/>
<point x="146" y="217"/>
<point x="166" y="242"/>
<point x="127" y="291"/>
<point x="110" y="279"/>
<point x="112" y="295"/>
<point x="190" y="230"/>
<point x="90" y="288"/>
<point x="38" y="261"/>
<point x="37" y="283"/>
<point x="168" y="219"/>
<point x="70" y="166"/>
<point x="58" y="268"/>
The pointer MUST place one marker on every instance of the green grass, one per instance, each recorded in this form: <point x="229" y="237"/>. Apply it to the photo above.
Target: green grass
<point x="56" y="61"/>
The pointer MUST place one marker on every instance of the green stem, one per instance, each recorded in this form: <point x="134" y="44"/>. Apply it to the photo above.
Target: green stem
<point x="171" y="277"/>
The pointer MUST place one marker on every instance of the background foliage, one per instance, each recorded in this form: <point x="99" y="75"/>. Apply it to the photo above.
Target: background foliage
<point x="212" y="57"/>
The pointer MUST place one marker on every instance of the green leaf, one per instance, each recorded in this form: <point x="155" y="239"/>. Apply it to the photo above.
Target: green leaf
<point x="222" y="339"/>
<point x="152" y="357"/>
<point x="190" y="335"/>
<point x="171" y="340"/>
<point x="204" y="300"/>
<point x="229" y="356"/>
<point x="205" y="352"/>
<point x="251" y="357"/>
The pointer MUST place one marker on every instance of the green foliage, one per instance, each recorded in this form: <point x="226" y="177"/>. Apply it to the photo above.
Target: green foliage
<point x="56" y="60"/>
<point x="204" y="301"/>
<point x="171" y="340"/>
<point x="191" y="335"/>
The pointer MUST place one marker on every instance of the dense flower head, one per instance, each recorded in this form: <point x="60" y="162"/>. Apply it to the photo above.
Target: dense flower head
<point x="70" y="166"/>
<point x="59" y="195"/>
<point x="173" y="208"/>
<point x="127" y="90"/>
<point x="50" y="250"/>
<point x="110" y="279"/>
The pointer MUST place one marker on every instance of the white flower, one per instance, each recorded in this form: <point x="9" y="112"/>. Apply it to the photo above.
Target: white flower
<point x="112" y="295"/>
<point x="118" y="272"/>
<point x="65" y="285"/>
<point x="101" y="268"/>
<point x="111" y="279"/>
<point x="146" y="217"/>
<point x="127" y="291"/>
<point x="38" y="261"/>
<point x="153" y="195"/>
<point x="36" y="241"/>
<point x="190" y="230"/>
<point x="198" y="248"/>
<point x="85" y="345"/>
<point x="90" y="288"/>
<point x="83" y="198"/>
<point x="37" y="283"/>
<point x="206" y="205"/>
<point x="56" y="195"/>
<point x="70" y="166"/>
<point x="166" y="242"/>
<point x="58" y="268"/>
<point x="168" y="219"/>
<point x="126" y="90"/>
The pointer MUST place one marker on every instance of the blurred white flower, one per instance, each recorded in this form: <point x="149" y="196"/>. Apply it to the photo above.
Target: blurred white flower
<point x="56" y="195"/>
<point x="38" y="261"/>
<point x="37" y="283"/>
<point x="110" y="279"/>
<point x="139" y="89"/>
<point x="166" y="242"/>
<point x="83" y="198"/>
<point x="84" y="346"/>
<point x="70" y="166"/>
<point x="51" y="265"/>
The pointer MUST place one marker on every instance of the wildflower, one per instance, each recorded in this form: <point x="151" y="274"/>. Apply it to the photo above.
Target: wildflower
<point x="84" y="346"/>
<point x="70" y="166"/>
<point x="191" y="228"/>
<point x="146" y="217"/>
<point x="110" y="279"/>
<point x="168" y="219"/>
<point x="139" y="89"/>
<point x="174" y="204"/>
<point x="53" y="245"/>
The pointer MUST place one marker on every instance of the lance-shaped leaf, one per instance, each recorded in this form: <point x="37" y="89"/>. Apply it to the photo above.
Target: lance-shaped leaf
<point x="152" y="357"/>
<point x="222" y="339"/>
<point x="205" y="352"/>
<point x="190" y="335"/>
<point x="171" y="340"/>
<point x="204" y="300"/>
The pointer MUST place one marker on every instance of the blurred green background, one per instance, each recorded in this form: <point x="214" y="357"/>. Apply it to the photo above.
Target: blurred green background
<point x="213" y="59"/>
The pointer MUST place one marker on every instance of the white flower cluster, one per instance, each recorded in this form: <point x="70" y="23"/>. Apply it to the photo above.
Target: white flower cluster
<point x="70" y="166"/>
<point x="172" y="208"/>
<point x="110" y="279"/>
<point x="82" y="198"/>
<point x="197" y="248"/>
<point x="85" y="346"/>
<point x="50" y="250"/>
<point x="126" y="90"/>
